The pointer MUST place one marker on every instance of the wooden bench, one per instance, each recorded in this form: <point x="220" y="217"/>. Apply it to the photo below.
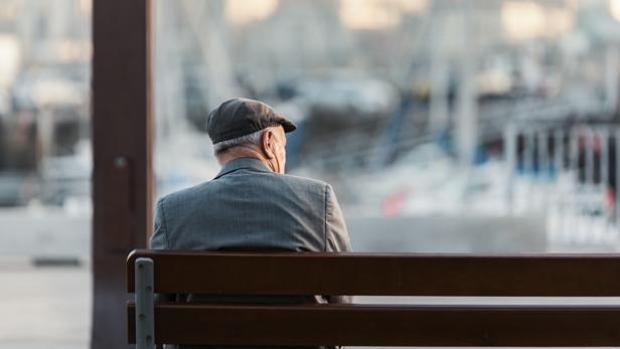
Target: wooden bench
<point x="373" y="275"/>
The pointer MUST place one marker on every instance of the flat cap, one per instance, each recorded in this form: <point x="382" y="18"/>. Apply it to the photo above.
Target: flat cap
<point x="239" y="117"/>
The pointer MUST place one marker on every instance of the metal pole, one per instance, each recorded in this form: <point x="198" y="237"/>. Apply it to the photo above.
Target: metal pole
<point x="543" y="153"/>
<point x="603" y="135"/>
<point x="589" y="154"/>
<point x="528" y="151"/>
<point x="558" y="159"/>
<point x="590" y="183"/>
<point x="145" y="303"/>
<point x="574" y="169"/>
<point x="611" y="81"/>
<point x="467" y="105"/>
<point x="510" y="153"/>
<point x="543" y="166"/>
<point x="439" y="71"/>
<point x="573" y="156"/>
<point x="558" y="150"/>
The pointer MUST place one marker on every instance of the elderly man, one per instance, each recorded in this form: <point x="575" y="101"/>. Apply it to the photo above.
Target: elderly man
<point x="251" y="204"/>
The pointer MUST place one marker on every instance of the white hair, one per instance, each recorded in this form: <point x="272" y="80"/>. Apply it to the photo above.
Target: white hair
<point x="252" y="138"/>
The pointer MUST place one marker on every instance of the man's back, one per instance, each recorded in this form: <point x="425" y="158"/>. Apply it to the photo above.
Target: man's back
<point x="248" y="207"/>
<point x="251" y="204"/>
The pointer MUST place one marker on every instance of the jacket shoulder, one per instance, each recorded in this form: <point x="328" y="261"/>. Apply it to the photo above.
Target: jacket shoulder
<point x="304" y="182"/>
<point x="183" y="194"/>
<point x="291" y="181"/>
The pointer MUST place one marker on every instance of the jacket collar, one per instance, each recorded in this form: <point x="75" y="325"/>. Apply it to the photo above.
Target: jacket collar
<point x="245" y="163"/>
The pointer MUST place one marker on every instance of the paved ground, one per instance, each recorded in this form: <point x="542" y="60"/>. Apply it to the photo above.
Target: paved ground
<point x="47" y="308"/>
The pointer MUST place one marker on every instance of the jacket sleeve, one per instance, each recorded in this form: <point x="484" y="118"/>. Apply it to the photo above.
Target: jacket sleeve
<point x="159" y="238"/>
<point x="159" y="241"/>
<point x="337" y="234"/>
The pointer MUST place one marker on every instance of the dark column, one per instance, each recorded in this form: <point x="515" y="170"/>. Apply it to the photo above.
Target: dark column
<point x="121" y="106"/>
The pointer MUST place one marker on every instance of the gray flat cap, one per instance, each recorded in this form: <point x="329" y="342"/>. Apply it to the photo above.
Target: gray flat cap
<point x="242" y="116"/>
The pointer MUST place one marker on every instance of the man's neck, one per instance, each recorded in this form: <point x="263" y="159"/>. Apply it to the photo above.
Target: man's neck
<point x="242" y="152"/>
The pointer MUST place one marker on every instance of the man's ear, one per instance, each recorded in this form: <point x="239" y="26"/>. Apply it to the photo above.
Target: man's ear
<point x="266" y="141"/>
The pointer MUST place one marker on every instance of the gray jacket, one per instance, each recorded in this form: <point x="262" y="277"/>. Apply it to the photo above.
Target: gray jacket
<point x="248" y="207"/>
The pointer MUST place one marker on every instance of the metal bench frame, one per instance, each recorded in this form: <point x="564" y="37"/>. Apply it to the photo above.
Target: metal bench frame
<point x="145" y="304"/>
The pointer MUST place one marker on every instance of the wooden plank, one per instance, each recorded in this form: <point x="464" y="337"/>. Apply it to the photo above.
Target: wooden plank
<point x="395" y="275"/>
<point x="121" y="119"/>
<point x="540" y="326"/>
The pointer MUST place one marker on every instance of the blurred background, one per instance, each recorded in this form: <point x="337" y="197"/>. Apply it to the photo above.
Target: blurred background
<point x="486" y="126"/>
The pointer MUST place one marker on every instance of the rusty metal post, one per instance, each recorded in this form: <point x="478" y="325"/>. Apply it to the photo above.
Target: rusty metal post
<point x="122" y="176"/>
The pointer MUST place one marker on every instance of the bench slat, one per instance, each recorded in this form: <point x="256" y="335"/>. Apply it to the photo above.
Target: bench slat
<point x="389" y="275"/>
<point x="385" y="325"/>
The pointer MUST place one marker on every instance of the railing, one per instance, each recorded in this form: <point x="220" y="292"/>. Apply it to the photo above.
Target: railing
<point x="568" y="174"/>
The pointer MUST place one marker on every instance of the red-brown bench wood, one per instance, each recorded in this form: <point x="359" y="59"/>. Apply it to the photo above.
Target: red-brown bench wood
<point x="390" y="275"/>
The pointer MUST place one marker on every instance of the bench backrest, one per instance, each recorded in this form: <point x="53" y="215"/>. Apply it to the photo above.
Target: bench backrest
<point x="376" y="275"/>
